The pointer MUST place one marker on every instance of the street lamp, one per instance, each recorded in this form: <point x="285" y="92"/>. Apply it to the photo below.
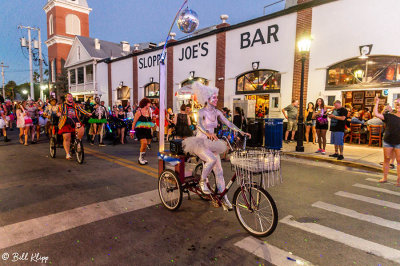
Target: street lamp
<point x="304" y="47"/>
<point x="25" y="92"/>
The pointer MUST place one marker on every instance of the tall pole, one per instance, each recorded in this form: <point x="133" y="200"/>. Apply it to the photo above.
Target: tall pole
<point x="300" y="147"/>
<point x="163" y="83"/>
<point x="40" y="62"/>
<point x="2" y="75"/>
<point x="30" y="64"/>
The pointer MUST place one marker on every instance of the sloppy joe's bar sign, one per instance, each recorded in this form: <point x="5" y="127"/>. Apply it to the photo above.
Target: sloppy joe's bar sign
<point x="249" y="39"/>
<point x="194" y="51"/>
<point x="149" y="61"/>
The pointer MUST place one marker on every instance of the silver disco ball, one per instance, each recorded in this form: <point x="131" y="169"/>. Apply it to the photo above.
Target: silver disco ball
<point x="188" y="21"/>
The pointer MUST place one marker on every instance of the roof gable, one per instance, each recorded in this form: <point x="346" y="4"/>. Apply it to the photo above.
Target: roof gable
<point x="77" y="54"/>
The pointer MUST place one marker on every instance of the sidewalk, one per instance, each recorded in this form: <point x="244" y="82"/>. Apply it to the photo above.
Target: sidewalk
<point x="358" y="156"/>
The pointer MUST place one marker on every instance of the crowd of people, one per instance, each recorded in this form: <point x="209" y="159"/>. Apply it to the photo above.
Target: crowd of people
<point x="316" y="121"/>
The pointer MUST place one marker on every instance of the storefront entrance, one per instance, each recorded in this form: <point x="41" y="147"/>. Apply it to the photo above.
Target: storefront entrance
<point x="261" y="105"/>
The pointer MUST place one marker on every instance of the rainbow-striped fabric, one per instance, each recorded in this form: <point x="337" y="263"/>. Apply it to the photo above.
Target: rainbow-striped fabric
<point x="141" y="124"/>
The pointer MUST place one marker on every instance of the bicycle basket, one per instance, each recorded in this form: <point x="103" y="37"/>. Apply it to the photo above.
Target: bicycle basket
<point x="258" y="166"/>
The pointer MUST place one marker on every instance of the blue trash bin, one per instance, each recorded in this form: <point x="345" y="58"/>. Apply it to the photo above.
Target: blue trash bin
<point x="273" y="133"/>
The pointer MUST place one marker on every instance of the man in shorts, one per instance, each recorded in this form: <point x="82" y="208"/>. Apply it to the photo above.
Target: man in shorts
<point x="70" y="122"/>
<point x="338" y="123"/>
<point x="292" y="111"/>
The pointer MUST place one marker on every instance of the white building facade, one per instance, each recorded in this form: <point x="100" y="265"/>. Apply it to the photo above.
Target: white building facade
<point x="255" y="63"/>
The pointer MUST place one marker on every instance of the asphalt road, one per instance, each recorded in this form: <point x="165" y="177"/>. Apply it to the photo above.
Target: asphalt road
<point x="107" y="212"/>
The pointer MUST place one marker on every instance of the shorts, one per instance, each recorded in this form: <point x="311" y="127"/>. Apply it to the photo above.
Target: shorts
<point x="310" y="123"/>
<point x="337" y="138"/>
<point x="292" y="125"/>
<point x="388" y="145"/>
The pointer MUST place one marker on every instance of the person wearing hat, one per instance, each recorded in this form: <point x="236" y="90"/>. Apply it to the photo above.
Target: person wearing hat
<point x="51" y="114"/>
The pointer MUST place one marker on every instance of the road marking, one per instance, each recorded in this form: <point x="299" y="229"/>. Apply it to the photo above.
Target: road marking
<point x="14" y="234"/>
<point x="144" y="171"/>
<point x="377" y="180"/>
<point x="387" y="191"/>
<point x="356" y="215"/>
<point x="346" y="239"/>
<point x="123" y="160"/>
<point x="369" y="200"/>
<point x="270" y="253"/>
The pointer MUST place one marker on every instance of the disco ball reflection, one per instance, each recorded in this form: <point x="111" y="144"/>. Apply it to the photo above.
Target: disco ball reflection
<point x="188" y="21"/>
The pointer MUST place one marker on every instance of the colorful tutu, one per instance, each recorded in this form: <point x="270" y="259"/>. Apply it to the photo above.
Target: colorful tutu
<point x="97" y="121"/>
<point x="141" y="124"/>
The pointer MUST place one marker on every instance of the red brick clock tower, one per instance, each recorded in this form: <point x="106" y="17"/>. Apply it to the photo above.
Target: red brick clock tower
<point x="65" y="20"/>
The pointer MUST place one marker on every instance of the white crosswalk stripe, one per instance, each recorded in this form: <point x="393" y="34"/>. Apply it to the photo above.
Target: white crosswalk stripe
<point x="25" y="231"/>
<point x="369" y="200"/>
<point x="360" y="216"/>
<point x="383" y="190"/>
<point x="270" y="253"/>
<point x="347" y="239"/>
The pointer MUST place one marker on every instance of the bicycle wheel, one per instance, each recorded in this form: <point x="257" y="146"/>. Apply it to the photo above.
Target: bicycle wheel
<point x="212" y="182"/>
<point x="80" y="154"/>
<point x="53" y="147"/>
<point x="170" y="190"/>
<point x="255" y="210"/>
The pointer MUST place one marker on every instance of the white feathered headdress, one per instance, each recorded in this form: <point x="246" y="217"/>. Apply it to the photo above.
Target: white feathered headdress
<point x="202" y="92"/>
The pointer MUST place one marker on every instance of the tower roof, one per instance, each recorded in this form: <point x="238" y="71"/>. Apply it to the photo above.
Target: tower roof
<point x="78" y="5"/>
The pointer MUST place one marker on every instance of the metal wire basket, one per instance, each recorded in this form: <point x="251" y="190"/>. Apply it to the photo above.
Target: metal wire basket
<point x="258" y="166"/>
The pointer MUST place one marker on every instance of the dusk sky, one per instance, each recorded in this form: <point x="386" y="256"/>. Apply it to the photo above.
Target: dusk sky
<point x="134" y="21"/>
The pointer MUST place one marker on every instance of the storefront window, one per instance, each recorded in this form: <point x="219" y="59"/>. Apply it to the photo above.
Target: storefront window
<point x="152" y="90"/>
<point x="258" y="81"/>
<point x="72" y="77"/>
<point x="382" y="70"/>
<point x="80" y="76"/>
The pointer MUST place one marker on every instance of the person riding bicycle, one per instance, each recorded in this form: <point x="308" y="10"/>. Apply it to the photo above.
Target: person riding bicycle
<point x="70" y="122"/>
<point x="51" y="114"/>
<point x="206" y="144"/>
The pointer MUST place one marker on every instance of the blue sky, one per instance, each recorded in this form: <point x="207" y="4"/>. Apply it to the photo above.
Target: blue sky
<point x="114" y="20"/>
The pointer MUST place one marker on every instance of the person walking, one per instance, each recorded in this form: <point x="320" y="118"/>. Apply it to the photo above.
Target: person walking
<point x="321" y="119"/>
<point x="182" y="124"/>
<point x="20" y="112"/>
<point x="3" y="120"/>
<point x="121" y="124"/>
<point x="391" y="139"/>
<point x="292" y="111"/>
<point x="310" y="122"/>
<point x="338" y="123"/>
<point x="142" y="126"/>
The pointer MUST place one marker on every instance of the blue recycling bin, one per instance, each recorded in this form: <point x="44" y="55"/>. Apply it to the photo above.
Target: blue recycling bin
<point x="273" y="133"/>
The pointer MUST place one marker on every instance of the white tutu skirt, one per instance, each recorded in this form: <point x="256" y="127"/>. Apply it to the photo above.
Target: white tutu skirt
<point x="3" y="123"/>
<point x="192" y="144"/>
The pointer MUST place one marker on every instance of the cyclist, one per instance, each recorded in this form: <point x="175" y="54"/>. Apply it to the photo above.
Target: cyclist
<point x="206" y="144"/>
<point x="70" y="122"/>
<point x="51" y="113"/>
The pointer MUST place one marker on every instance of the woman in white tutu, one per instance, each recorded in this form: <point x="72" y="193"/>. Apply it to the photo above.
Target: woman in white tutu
<point x="205" y="144"/>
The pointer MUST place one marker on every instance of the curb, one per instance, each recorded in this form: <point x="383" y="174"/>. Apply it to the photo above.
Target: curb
<point x="342" y="163"/>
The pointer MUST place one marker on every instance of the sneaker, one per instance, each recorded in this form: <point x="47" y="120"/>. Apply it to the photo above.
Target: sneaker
<point x="318" y="151"/>
<point x="92" y="142"/>
<point x="102" y="144"/>
<point x="334" y="155"/>
<point x="68" y="157"/>
<point x="340" y="157"/>
<point x="323" y="152"/>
